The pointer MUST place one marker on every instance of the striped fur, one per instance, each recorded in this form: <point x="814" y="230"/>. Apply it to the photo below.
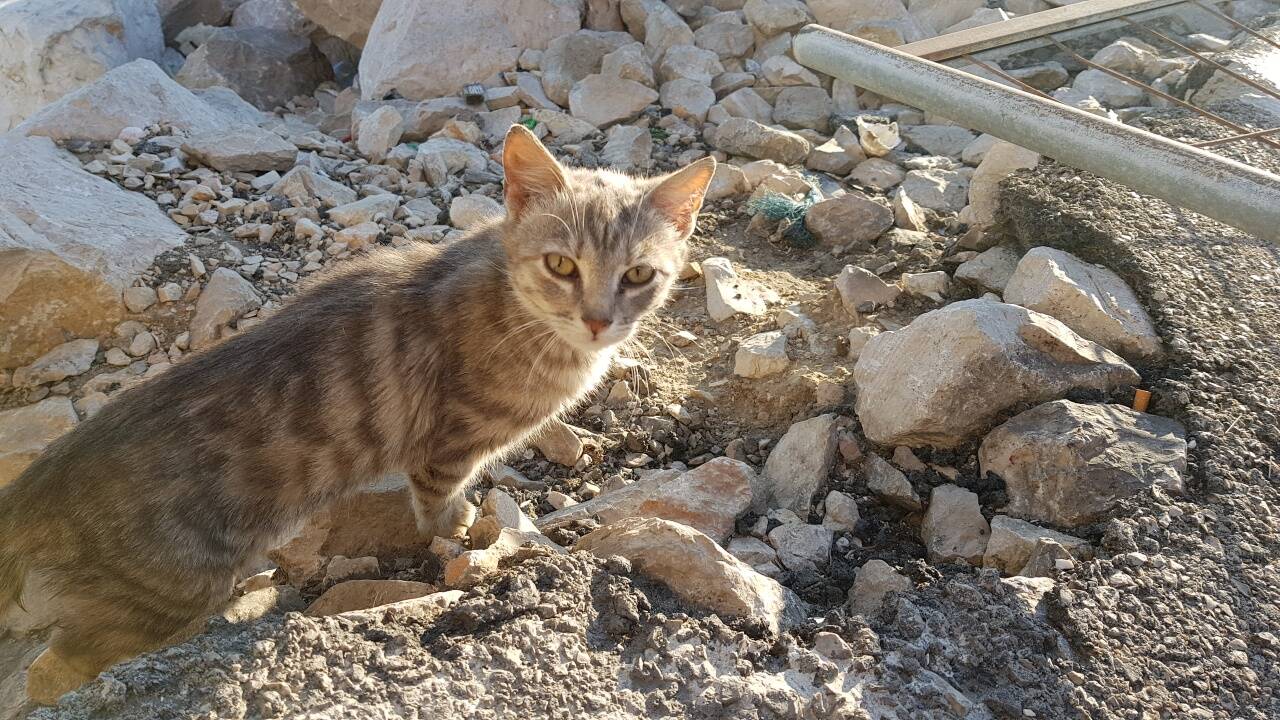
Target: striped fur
<point x="430" y="361"/>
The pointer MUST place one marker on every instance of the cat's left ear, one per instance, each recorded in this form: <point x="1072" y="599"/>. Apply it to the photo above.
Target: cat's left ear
<point x="678" y="198"/>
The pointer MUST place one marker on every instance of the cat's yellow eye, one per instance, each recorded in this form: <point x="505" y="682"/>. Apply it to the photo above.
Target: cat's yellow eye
<point x="638" y="275"/>
<point x="561" y="265"/>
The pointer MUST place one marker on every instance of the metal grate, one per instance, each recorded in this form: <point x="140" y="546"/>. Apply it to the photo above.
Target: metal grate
<point x="1188" y="174"/>
<point x="1093" y="20"/>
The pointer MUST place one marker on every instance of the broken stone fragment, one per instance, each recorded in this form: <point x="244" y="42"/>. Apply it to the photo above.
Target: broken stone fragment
<point x="304" y="187"/>
<point x="850" y="219"/>
<point x="268" y="68"/>
<point x="407" y="51"/>
<point x="559" y="443"/>
<point x="947" y="376"/>
<point x="938" y="140"/>
<point x="470" y="211"/>
<point x="728" y="294"/>
<point x="945" y="191"/>
<point x="998" y="162"/>
<point x="241" y="148"/>
<point x="798" y="466"/>
<point x="761" y="355"/>
<point x="990" y="270"/>
<point x="1013" y="540"/>
<point x="932" y="285"/>
<point x="226" y="297"/>
<point x="859" y="287"/>
<point x="697" y="569"/>
<point x="66" y="360"/>
<point x="603" y="101"/>
<point x="1070" y="464"/>
<point x="363" y="594"/>
<point x="573" y="57"/>
<point x="953" y="528"/>
<point x="710" y="498"/>
<point x="472" y="566"/>
<point x="1089" y="299"/>
<point x="343" y="568"/>
<point x="381" y="206"/>
<point x="379" y="132"/>
<point x="1047" y="559"/>
<point x="274" y="600"/>
<point x="498" y="510"/>
<point x="871" y="583"/>
<point x="742" y="136"/>
<point x="26" y="431"/>
<point x="803" y="548"/>
<point x="890" y="484"/>
<point x="841" y="512"/>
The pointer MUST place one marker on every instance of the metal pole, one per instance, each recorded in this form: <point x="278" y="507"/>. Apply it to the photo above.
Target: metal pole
<point x="1233" y="193"/>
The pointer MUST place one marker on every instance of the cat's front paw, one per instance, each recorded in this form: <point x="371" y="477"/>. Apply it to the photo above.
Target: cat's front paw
<point x="450" y="520"/>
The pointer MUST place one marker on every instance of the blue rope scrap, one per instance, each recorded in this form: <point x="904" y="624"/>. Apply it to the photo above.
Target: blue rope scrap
<point x="789" y="214"/>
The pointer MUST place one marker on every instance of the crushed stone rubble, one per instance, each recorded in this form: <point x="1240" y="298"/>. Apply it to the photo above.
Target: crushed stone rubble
<point x="857" y="471"/>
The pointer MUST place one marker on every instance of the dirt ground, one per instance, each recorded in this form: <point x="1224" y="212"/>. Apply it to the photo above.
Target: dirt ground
<point x="1176" y="619"/>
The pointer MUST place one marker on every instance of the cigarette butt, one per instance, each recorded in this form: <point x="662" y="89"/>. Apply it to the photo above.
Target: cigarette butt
<point x="1141" y="399"/>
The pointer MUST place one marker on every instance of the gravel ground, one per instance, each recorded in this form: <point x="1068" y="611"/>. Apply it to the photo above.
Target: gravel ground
<point x="576" y="636"/>
<point x="1178" y="619"/>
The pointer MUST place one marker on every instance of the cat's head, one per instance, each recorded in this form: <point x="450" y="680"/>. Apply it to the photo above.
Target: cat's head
<point x="590" y="253"/>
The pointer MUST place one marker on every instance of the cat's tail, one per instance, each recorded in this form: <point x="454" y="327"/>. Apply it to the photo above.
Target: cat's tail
<point x="13" y="566"/>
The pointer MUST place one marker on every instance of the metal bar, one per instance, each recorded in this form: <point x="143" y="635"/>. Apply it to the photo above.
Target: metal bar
<point x="1163" y="95"/>
<point x="1237" y="23"/>
<point x="995" y="70"/>
<point x="1233" y="138"/>
<point x="1033" y="25"/>
<point x="1232" y="192"/>
<point x="1223" y="68"/>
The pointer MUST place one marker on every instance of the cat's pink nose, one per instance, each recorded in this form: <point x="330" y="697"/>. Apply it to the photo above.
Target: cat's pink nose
<point x="595" y="326"/>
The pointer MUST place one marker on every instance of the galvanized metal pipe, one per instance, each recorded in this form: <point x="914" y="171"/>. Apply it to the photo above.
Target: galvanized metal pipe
<point x="1231" y="192"/>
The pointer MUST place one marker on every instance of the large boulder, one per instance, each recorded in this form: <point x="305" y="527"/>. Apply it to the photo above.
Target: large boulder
<point x="48" y="49"/>
<point x="70" y="243"/>
<point x="1089" y="299"/>
<point x="346" y="19"/>
<point x="136" y="94"/>
<point x="26" y="431"/>
<point x="266" y="67"/>
<point x="1254" y="58"/>
<point x="697" y="569"/>
<point x="426" y="50"/>
<point x="951" y="373"/>
<point x="1069" y="464"/>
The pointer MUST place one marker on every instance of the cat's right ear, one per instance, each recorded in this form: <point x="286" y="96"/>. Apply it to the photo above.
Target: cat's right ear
<point x="529" y="168"/>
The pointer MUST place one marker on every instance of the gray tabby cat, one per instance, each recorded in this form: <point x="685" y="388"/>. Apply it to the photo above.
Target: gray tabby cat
<point x="430" y="361"/>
